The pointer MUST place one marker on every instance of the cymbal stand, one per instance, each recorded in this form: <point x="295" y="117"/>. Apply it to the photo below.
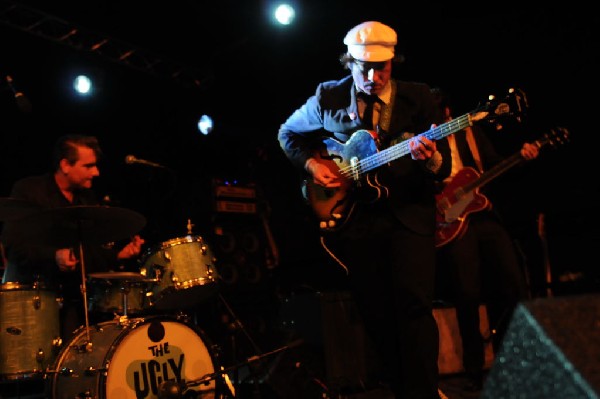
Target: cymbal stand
<point x="83" y="287"/>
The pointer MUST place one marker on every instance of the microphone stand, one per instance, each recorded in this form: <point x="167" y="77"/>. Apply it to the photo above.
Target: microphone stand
<point x="239" y="326"/>
<point x="174" y="390"/>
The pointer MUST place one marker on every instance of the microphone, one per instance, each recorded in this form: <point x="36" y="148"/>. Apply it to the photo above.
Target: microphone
<point x="131" y="159"/>
<point x="22" y="102"/>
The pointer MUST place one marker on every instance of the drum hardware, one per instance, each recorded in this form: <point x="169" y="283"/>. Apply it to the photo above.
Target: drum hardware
<point x="236" y="325"/>
<point x="131" y="360"/>
<point x="12" y="330"/>
<point x="175" y="390"/>
<point x="67" y="372"/>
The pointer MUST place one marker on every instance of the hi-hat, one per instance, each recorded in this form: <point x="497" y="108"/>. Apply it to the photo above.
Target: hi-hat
<point x="89" y="224"/>
<point x="15" y="208"/>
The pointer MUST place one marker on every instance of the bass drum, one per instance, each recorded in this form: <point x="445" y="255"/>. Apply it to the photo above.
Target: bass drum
<point x="132" y="359"/>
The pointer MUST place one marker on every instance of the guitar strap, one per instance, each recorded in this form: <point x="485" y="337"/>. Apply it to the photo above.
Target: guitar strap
<point x="473" y="147"/>
<point x="385" y="115"/>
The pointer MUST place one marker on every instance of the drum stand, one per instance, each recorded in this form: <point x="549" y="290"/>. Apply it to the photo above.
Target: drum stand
<point x="125" y="288"/>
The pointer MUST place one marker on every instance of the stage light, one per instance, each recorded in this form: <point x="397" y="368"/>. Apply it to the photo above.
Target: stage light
<point x="83" y="85"/>
<point x="284" y="14"/>
<point x="205" y="124"/>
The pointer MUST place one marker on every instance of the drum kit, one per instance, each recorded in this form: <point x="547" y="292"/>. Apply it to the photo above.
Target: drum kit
<point x="127" y="357"/>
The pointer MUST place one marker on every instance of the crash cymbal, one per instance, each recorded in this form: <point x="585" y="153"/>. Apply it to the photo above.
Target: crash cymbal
<point x="69" y="226"/>
<point x="127" y="276"/>
<point x="15" y="208"/>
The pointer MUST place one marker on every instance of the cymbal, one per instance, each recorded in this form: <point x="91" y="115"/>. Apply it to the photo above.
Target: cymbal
<point x="15" y="208"/>
<point x="89" y="224"/>
<point x="128" y="276"/>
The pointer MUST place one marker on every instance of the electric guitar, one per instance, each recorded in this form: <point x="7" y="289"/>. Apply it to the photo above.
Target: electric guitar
<point x="353" y="160"/>
<point x="461" y="196"/>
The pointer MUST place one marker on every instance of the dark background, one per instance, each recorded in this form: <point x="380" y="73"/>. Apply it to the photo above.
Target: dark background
<point x="225" y="58"/>
<point x="251" y="75"/>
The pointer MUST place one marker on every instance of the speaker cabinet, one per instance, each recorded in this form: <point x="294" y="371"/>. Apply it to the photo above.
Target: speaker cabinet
<point x="451" y="350"/>
<point x="551" y="350"/>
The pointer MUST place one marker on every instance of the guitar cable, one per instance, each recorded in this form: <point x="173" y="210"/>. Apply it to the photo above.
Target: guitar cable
<point x="322" y="239"/>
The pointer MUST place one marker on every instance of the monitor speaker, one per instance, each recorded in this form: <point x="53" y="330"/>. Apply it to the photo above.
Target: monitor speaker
<point x="551" y="350"/>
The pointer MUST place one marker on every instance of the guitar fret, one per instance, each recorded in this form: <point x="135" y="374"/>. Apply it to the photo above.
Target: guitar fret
<point x="398" y="150"/>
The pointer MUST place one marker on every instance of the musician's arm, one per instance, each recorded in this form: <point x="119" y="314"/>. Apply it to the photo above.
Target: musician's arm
<point x="298" y="133"/>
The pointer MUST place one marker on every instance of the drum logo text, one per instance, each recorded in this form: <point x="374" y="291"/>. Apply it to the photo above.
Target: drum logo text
<point x="149" y="375"/>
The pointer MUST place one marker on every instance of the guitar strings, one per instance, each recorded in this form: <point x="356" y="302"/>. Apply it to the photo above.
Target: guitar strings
<point x="396" y="151"/>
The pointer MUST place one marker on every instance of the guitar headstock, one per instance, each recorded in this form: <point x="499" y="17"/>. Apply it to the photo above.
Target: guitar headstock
<point x="555" y="137"/>
<point x="512" y="107"/>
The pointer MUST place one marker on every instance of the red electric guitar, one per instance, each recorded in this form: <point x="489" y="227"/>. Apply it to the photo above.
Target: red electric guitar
<point x="461" y="196"/>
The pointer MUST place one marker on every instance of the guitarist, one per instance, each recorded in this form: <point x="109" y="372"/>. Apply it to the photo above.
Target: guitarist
<point x="484" y="252"/>
<point x="387" y="247"/>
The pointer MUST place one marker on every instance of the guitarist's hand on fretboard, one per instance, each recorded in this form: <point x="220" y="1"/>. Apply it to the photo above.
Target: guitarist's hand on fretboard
<point x="322" y="174"/>
<point x="530" y="151"/>
<point x="421" y="147"/>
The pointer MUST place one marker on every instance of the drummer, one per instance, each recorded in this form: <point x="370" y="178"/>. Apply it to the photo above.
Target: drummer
<point x="30" y="259"/>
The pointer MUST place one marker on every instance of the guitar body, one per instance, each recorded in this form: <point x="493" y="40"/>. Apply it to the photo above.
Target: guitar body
<point x="461" y="195"/>
<point x="333" y="206"/>
<point x="455" y="203"/>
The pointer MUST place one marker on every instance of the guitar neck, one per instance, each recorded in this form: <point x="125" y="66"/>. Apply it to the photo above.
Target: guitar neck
<point x="505" y="165"/>
<point x="401" y="149"/>
<point x="494" y="172"/>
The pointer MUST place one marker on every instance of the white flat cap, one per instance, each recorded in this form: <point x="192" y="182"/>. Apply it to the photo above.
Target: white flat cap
<point x="371" y="41"/>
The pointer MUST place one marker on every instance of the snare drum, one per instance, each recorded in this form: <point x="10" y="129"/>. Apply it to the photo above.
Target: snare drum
<point x="107" y="296"/>
<point x="29" y="330"/>
<point x="183" y="272"/>
<point x="132" y="359"/>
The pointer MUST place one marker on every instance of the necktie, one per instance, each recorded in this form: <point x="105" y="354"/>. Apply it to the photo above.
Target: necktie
<point x="368" y="112"/>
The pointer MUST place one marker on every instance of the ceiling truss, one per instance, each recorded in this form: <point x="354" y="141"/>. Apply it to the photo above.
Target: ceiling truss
<point x="52" y="28"/>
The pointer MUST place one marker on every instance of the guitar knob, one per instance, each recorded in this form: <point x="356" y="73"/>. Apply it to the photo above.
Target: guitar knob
<point x="331" y="223"/>
<point x="323" y="224"/>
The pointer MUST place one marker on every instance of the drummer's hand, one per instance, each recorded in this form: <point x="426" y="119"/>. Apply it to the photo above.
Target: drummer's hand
<point x="132" y="249"/>
<point x="66" y="260"/>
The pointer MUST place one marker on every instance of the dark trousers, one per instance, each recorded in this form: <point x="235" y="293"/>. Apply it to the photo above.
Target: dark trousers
<point x="482" y="266"/>
<point x="391" y="275"/>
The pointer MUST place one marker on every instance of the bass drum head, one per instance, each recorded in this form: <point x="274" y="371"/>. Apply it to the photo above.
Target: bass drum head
<point x="132" y="360"/>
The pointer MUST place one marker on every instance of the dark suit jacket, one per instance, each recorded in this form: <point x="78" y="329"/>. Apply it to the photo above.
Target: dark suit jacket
<point x="332" y="112"/>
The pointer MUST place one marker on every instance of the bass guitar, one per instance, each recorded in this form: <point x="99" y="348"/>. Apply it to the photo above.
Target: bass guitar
<point x="461" y="196"/>
<point x="353" y="160"/>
